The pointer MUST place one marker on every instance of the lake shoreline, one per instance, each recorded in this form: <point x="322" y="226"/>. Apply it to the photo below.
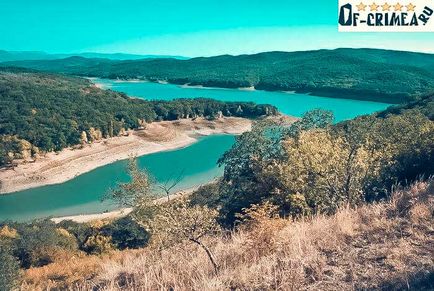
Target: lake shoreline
<point x="349" y="94"/>
<point x="120" y="212"/>
<point x="55" y="168"/>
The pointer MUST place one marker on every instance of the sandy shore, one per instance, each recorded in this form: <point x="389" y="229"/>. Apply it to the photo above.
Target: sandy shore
<point x="56" y="168"/>
<point x="104" y="86"/>
<point x="83" y="218"/>
<point x="251" y="88"/>
<point x="118" y="213"/>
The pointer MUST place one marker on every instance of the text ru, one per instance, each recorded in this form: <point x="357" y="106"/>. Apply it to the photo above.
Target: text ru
<point x="394" y="19"/>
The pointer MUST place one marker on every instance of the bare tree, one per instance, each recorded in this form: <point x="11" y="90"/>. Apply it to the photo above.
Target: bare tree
<point x="169" y="222"/>
<point x="178" y="221"/>
<point x="171" y="183"/>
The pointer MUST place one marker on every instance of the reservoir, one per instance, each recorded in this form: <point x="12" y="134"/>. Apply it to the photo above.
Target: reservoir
<point x="288" y="103"/>
<point x="196" y="163"/>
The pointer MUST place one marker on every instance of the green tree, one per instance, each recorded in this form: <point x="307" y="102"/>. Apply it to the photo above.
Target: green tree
<point x="243" y="181"/>
<point x="316" y="118"/>
<point x="319" y="170"/>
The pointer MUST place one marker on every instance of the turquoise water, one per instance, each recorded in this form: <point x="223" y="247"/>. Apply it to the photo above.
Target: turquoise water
<point x="197" y="162"/>
<point x="288" y="103"/>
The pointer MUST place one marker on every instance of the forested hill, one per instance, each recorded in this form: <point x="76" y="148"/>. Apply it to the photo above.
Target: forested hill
<point x="372" y="74"/>
<point x="40" y="111"/>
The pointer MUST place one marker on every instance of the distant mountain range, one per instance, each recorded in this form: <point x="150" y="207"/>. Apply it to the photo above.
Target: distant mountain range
<point x="366" y="74"/>
<point x="8" y="56"/>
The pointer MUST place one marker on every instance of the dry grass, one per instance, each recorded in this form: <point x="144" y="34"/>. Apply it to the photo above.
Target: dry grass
<point x="69" y="271"/>
<point x="63" y="273"/>
<point x="384" y="246"/>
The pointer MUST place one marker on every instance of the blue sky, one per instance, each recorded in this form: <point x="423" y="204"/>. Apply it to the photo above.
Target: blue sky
<point x="189" y="27"/>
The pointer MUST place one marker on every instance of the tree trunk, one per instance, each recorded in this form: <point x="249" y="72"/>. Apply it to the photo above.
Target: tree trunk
<point x="209" y="253"/>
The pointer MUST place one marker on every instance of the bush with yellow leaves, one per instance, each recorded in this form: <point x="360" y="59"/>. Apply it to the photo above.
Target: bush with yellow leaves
<point x="98" y="244"/>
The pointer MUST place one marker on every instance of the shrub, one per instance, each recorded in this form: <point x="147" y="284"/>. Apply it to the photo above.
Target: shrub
<point x="126" y="233"/>
<point x="9" y="266"/>
<point x="206" y="195"/>
<point x="98" y="244"/>
<point x="81" y="231"/>
<point x="39" y="242"/>
<point x="8" y="232"/>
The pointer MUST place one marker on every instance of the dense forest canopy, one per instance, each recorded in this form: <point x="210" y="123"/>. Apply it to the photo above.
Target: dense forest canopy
<point x="47" y="112"/>
<point x="372" y="74"/>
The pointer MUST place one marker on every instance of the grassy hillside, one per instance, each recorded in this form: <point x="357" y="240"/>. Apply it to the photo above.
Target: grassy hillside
<point x="386" y="246"/>
<point x="371" y="74"/>
<point x="47" y="112"/>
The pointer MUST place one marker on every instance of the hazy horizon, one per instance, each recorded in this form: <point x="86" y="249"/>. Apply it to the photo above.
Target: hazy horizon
<point x="68" y="54"/>
<point x="191" y="28"/>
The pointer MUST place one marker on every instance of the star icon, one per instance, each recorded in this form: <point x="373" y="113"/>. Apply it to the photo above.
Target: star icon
<point x="410" y="7"/>
<point x="373" y="7"/>
<point x="397" y="7"/>
<point x="386" y="7"/>
<point x="361" y="6"/>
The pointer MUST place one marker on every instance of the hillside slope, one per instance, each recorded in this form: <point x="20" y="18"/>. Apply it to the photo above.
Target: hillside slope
<point x="371" y="74"/>
<point x="388" y="246"/>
